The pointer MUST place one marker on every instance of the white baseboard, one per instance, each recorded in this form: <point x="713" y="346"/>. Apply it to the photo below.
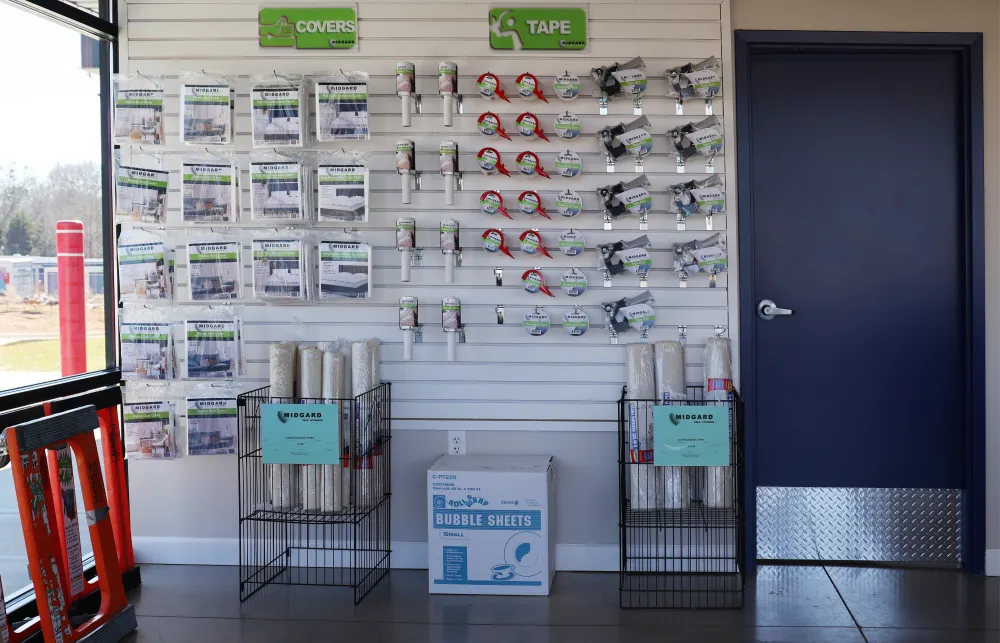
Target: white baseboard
<point x="993" y="562"/>
<point x="405" y="555"/>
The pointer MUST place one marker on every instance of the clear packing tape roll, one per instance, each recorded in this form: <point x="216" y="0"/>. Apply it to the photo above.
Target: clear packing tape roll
<point x="673" y="483"/>
<point x="641" y="389"/>
<point x="284" y="478"/>
<point x="718" y="488"/>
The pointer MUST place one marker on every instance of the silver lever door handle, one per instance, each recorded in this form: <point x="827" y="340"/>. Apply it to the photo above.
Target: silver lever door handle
<point x="768" y="310"/>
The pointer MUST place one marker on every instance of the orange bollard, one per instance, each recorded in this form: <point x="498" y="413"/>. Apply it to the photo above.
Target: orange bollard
<point x="28" y="443"/>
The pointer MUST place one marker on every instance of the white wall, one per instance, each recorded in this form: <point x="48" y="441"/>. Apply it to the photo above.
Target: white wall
<point x="515" y="394"/>
<point x="928" y="15"/>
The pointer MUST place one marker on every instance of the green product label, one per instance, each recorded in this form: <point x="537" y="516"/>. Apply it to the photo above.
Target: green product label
<point x="308" y="28"/>
<point x="212" y="412"/>
<point x="275" y="254"/>
<point x="207" y="178"/>
<point x="277" y="102"/>
<point x="145" y="417"/>
<point x="143" y="337"/>
<point x="330" y="255"/>
<point x="450" y="308"/>
<point x="212" y="334"/>
<point x="126" y="181"/>
<point x="214" y="257"/>
<point x="538" y="28"/>
<point x="212" y="99"/>
<point x="342" y="178"/>
<point x="138" y="102"/>
<point x="277" y="176"/>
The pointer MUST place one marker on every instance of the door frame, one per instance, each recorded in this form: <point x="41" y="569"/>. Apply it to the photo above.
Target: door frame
<point x="970" y="48"/>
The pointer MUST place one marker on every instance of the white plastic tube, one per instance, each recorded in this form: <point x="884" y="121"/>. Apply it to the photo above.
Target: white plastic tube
<point x="452" y="346"/>
<point x="449" y="189"/>
<point x="449" y="267"/>
<point x="407" y="108"/>
<point x="407" y="345"/>
<point x="449" y="109"/>
<point x="404" y="266"/>
<point x="404" y="184"/>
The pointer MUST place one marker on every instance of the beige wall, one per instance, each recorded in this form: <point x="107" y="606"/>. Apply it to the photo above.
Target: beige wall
<point x="926" y="15"/>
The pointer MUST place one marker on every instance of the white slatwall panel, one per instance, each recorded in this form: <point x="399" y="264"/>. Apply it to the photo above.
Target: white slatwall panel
<point x="560" y="379"/>
<point x="504" y="380"/>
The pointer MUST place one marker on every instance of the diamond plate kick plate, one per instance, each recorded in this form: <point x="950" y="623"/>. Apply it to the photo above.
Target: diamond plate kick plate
<point x="883" y="525"/>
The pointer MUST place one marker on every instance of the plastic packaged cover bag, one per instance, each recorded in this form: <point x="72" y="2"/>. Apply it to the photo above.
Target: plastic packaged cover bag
<point x="149" y="430"/>
<point x="278" y="104"/>
<point x="342" y="107"/>
<point x="206" y="109"/>
<point x="210" y="188"/>
<point x="138" y="110"/>
<point x="145" y="267"/>
<point x="344" y="269"/>
<point x="342" y="188"/>
<point x="278" y="188"/>
<point x="140" y="187"/>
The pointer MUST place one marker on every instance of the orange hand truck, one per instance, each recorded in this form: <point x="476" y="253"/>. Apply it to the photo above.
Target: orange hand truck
<point x="28" y="443"/>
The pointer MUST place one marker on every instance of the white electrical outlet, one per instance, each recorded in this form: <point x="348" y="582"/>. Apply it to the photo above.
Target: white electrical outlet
<point x="456" y="442"/>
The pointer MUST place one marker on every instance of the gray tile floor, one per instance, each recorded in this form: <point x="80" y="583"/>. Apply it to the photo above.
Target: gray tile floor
<point x="181" y="604"/>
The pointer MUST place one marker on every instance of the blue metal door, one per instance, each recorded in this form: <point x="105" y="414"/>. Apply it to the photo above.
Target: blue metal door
<point x="860" y="354"/>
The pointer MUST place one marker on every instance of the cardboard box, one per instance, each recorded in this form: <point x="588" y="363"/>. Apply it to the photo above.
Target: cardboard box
<point x="489" y="528"/>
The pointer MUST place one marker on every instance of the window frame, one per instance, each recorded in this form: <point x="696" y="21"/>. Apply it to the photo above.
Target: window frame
<point x="20" y="404"/>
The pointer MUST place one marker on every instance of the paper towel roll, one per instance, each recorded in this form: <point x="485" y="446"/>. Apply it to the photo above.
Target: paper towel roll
<point x="310" y="381"/>
<point x="672" y="483"/>
<point x="282" y="369"/>
<point x="718" y="488"/>
<point x="641" y="389"/>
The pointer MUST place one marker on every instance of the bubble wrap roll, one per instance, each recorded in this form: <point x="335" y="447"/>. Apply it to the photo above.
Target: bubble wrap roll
<point x="718" y="486"/>
<point x="672" y="483"/>
<point x="641" y="383"/>
<point x="282" y="369"/>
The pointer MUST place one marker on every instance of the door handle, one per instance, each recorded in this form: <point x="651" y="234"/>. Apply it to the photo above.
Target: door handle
<point x="768" y="310"/>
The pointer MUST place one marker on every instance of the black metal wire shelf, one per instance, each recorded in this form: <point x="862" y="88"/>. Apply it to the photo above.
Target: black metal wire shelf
<point x="681" y="528"/>
<point x="694" y="517"/>
<point x="323" y="524"/>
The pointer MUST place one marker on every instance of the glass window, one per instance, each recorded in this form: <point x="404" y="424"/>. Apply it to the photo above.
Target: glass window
<point x="50" y="170"/>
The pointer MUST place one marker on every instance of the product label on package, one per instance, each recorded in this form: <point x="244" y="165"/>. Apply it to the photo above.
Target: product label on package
<point x="704" y="81"/>
<point x="569" y="164"/>
<point x="342" y="192"/>
<point x="568" y="126"/>
<point x="569" y="203"/>
<point x="633" y="81"/>
<point x="574" y="282"/>
<point x="300" y="433"/>
<point x="706" y="141"/>
<point x="637" y="200"/>
<point x="576" y="322"/>
<point x="566" y="86"/>
<point x="276" y="191"/>
<point x="638" y="141"/>
<point x="537" y="323"/>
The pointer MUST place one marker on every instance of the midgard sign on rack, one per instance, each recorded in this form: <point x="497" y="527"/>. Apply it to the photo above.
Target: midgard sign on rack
<point x="312" y="28"/>
<point x="538" y="28"/>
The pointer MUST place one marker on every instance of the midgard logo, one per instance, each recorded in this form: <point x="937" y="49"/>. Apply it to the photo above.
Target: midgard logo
<point x="285" y="416"/>
<point x="308" y="28"/>
<point x="676" y="418"/>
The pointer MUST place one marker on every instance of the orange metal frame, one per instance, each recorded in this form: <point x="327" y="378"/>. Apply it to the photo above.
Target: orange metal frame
<point x="28" y="444"/>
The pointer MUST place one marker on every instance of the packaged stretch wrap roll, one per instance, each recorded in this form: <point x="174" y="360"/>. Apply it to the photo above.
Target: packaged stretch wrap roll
<point x="284" y="478"/>
<point x="673" y="483"/>
<point x="719" y="487"/>
<point x="641" y="386"/>
<point x="333" y="386"/>
<point x="310" y="387"/>
<point x="364" y="366"/>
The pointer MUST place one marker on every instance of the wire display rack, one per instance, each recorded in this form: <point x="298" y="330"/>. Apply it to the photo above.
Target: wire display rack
<point x="317" y="524"/>
<point x="682" y="528"/>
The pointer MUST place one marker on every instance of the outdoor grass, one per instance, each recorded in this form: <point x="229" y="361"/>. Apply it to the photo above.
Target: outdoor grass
<point x="43" y="355"/>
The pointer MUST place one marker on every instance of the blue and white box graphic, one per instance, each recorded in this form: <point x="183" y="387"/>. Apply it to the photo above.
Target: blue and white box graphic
<point x="488" y="525"/>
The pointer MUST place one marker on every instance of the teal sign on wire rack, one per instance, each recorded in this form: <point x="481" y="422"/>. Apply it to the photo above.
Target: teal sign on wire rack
<point x="691" y="436"/>
<point x="300" y="433"/>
